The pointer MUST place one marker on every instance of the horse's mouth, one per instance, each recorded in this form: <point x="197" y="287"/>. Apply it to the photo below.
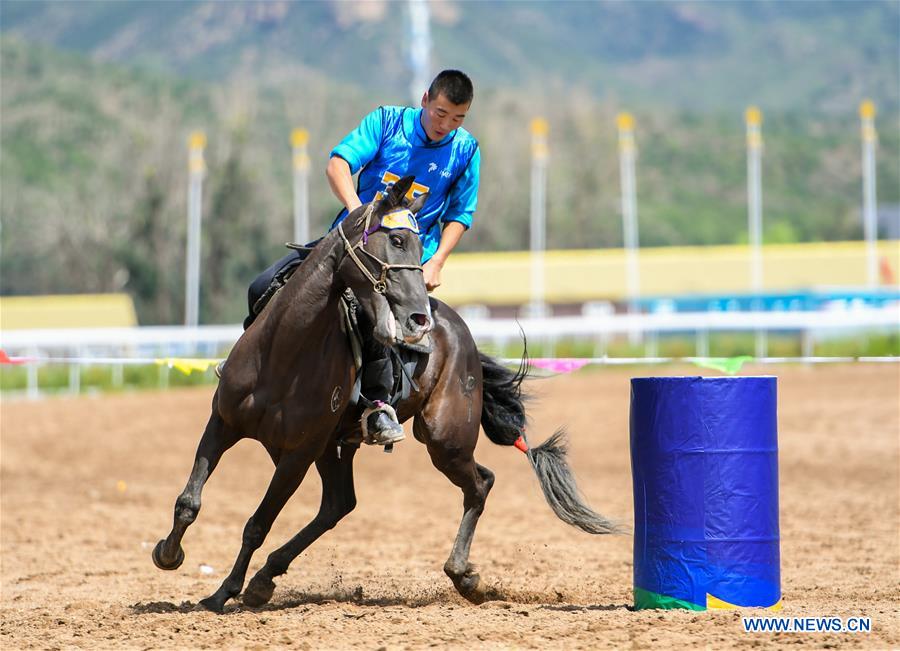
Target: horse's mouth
<point x="412" y="332"/>
<point x="415" y="328"/>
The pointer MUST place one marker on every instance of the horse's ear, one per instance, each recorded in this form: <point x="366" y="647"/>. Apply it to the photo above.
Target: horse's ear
<point x="418" y="202"/>
<point x="394" y="196"/>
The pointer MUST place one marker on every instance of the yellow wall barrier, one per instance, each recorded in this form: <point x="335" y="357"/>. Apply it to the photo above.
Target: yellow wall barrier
<point x="571" y="277"/>
<point x="584" y="275"/>
<point x="67" y="311"/>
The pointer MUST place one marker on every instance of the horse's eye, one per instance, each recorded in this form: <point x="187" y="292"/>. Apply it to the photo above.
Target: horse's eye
<point x="397" y="241"/>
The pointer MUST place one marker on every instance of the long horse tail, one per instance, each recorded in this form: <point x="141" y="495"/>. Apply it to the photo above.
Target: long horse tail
<point x="503" y="419"/>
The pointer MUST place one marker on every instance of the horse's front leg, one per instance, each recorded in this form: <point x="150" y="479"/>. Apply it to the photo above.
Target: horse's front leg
<point x="217" y="438"/>
<point x="338" y="499"/>
<point x="289" y="473"/>
<point x="451" y="453"/>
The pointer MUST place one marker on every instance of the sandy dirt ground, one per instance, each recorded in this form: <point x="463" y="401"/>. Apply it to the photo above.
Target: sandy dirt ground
<point x="88" y="486"/>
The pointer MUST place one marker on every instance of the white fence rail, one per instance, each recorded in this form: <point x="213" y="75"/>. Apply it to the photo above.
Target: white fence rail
<point x="191" y="340"/>
<point x="21" y="341"/>
<point x="117" y="347"/>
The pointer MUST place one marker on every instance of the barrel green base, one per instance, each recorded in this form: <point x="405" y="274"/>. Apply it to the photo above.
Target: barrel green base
<point x="646" y="600"/>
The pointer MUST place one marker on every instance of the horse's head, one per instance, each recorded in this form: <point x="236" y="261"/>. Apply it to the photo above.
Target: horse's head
<point x="382" y="265"/>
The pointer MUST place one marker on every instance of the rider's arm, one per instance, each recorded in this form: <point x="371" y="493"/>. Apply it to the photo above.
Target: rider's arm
<point x="461" y="204"/>
<point x="450" y="236"/>
<point x="353" y="153"/>
<point x="341" y="182"/>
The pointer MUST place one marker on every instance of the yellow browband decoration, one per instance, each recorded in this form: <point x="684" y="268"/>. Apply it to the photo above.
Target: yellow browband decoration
<point x="401" y="218"/>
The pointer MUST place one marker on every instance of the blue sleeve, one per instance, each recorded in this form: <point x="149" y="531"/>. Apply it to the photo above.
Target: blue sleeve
<point x="360" y="145"/>
<point x="463" y="199"/>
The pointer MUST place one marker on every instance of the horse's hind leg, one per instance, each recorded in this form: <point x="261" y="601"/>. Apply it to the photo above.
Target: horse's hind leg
<point x="457" y="463"/>
<point x="338" y="499"/>
<point x="289" y="473"/>
<point x="216" y="439"/>
<point x="475" y="491"/>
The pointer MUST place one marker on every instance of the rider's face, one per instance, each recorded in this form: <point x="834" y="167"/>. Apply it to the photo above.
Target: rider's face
<point x="440" y="116"/>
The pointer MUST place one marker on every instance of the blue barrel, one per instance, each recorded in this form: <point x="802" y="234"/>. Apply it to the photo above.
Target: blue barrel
<point x="704" y="459"/>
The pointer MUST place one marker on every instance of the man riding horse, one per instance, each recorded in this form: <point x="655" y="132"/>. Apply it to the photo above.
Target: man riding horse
<point x="392" y="142"/>
<point x="290" y="379"/>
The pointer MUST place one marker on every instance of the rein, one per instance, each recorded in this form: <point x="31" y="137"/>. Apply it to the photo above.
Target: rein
<point x="378" y="284"/>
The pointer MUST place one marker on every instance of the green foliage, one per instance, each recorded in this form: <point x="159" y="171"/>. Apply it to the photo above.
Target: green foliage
<point x="55" y="378"/>
<point x="872" y="345"/>
<point x="234" y="238"/>
<point x="706" y="56"/>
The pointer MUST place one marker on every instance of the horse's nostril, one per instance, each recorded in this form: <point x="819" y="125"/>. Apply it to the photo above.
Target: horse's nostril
<point x="420" y="320"/>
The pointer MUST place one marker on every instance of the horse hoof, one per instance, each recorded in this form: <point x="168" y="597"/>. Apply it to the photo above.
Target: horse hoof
<point x="158" y="561"/>
<point x="212" y="604"/>
<point x="471" y="589"/>
<point x="476" y="596"/>
<point x="259" y="591"/>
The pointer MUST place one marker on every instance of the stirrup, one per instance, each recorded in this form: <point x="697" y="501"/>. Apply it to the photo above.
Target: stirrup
<point x="385" y="436"/>
<point x="219" y="368"/>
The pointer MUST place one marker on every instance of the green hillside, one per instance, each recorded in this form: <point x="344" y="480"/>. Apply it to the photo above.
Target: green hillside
<point x="93" y="162"/>
<point x="702" y="56"/>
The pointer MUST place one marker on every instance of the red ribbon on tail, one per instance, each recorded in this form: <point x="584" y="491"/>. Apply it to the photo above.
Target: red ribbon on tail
<point x="521" y="444"/>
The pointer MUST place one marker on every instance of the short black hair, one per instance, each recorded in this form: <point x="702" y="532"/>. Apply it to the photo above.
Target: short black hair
<point x="455" y="85"/>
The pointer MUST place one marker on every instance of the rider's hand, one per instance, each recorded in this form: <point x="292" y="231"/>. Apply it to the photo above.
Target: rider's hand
<point x="353" y="203"/>
<point x="432" y="272"/>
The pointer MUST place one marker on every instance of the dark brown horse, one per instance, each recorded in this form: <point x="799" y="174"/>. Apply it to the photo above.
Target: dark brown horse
<point x="286" y="384"/>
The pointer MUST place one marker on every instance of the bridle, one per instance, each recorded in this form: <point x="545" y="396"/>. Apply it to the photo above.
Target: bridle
<point x="378" y="284"/>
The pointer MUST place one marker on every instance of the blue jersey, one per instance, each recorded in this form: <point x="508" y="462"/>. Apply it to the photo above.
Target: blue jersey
<point x="390" y="143"/>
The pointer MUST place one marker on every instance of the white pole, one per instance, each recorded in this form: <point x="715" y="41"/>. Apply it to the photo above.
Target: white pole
<point x="75" y="373"/>
<point x="419" y="49"/>
<point x="196" y="166"/>
<point x="627" y="177"/>
<point x="870" y="225"/>
<point x="299" y="140"/>
<point x="753" y="118"/>
<point x="630" y="240"/>
<point x="539" y="154"/>
<point x="33" y="389"/>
